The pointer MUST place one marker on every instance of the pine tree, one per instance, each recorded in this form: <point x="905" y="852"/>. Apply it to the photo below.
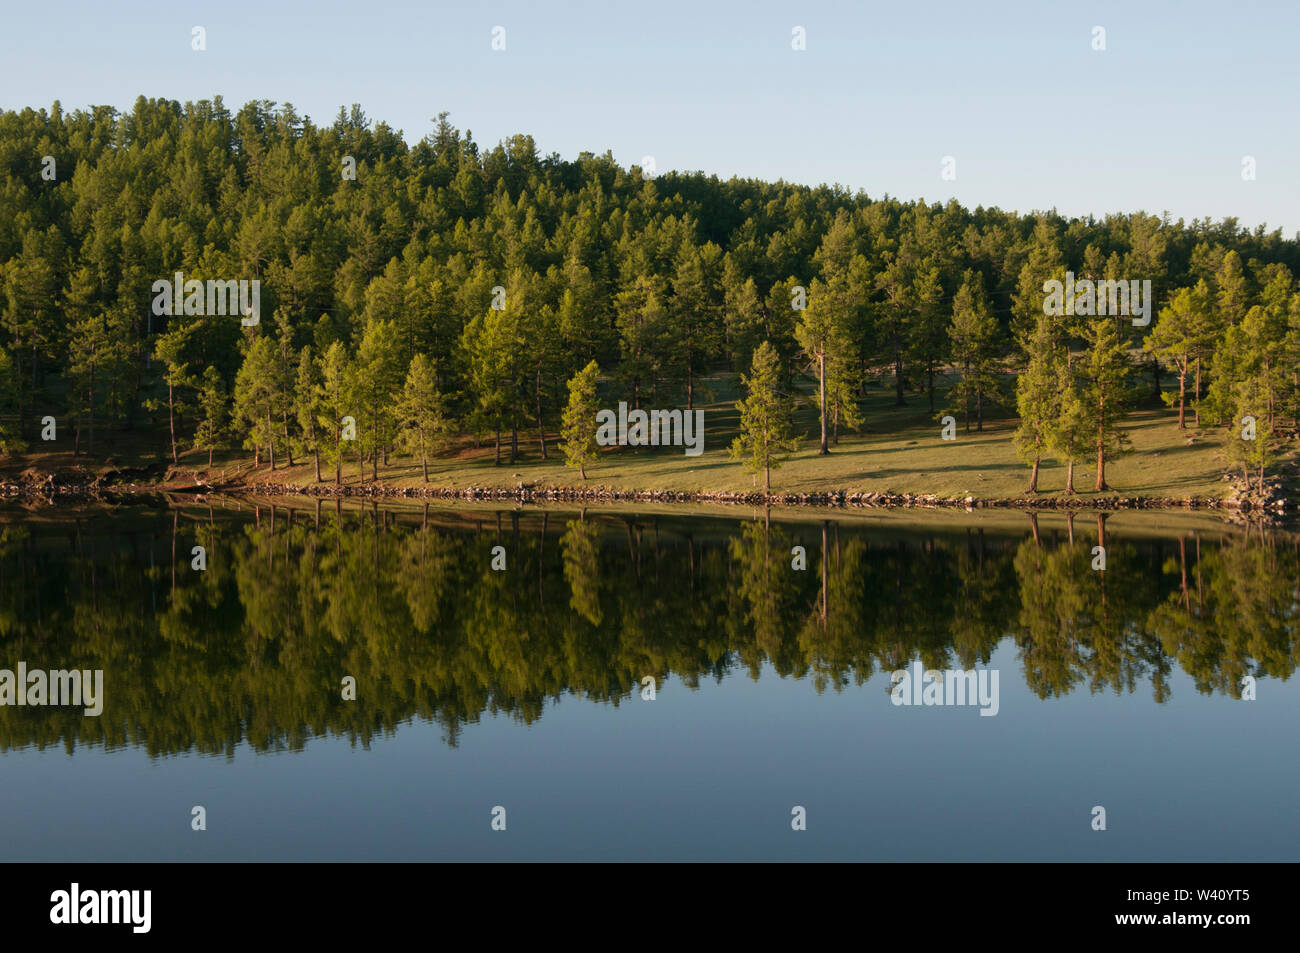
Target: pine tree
<point x="493" y="349"/>
<point x="212" y="403"/>
<point x="579" y="425"/>
<point x="1175" y="340"/>
<point x="696" y="311"/>
<point x="257" y="387"/>
<point x="1105" y="392"/>
<point x="927" y="331"/>
<point x="171" y="351"/>
<point x="1044" y="262"/>
<point x="823" y="336"/>
<point x="1072" y="432"/>
<point x="286" y="366"/>
<point x="1251" y="437"/>
<point x="971" y="336"/>
<point x="97" y="353"/>
<point x="333" y="403"/>
<point x="641" y="318"/>
<point x="376" y="380"/>
<point x="10" y="437"/>
<point x="766" y="427"/>
<point x="307" y="404"/>
<point x="744" y="320"/>
<point x="1037" y="398"/>
<point x="421" y="414"/>
<point x="584" y="325"/>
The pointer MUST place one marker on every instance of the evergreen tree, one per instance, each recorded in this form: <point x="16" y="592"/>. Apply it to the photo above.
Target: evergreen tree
<point x="766" y="428"/>
<point x="641" y="320"/>
<point x="927" y="333"/>
<point x="1175" y="340"/>
<point x="696" y="311"/>
<point x="10" y="437"/>
<point x="256" y="389"/>
<point x="421" y="414"/>
<point x="307" y="404"/>
<point x="1250" y="438"/>
<point x="375" y="381"/>
<point x="1105" y="393"/>
<point x="171" y="351"/>
<point x="823" y="336"/>
<point x="1073" y="430"/>
<point x="493" y="347"/>
<point x="971" y="339"/>
<point x="333" y="403"/>
<point x="1037" y="398"/>
<point x="212" y="402"/>
<point x="579" y="426"/>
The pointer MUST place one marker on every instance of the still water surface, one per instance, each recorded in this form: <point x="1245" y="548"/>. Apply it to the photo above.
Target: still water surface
<point x="475" y="688"/>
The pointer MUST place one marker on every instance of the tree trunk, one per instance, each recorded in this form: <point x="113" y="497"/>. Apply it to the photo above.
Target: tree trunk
<point x="1182" y="398"/>
<point x="1033" y="478"/>
<point x="965" y="394"/>
<point x="541" y="428"/>
<point x="1197" y="409"/>
<point x="90" y="446"/>
<point x="288" y="447"/>
<point x="424" y="460"/>
<point x="1069" y="476"/>
<point x="1101" y="460"/>
<point x="821" y="378"/>
<point x="374" y="459"/>
<point x="898" y="374"/>
<point x="171" y="418"/>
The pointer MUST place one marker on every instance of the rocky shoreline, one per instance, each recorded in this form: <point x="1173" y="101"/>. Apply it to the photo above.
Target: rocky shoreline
<point x="123" y="482"/>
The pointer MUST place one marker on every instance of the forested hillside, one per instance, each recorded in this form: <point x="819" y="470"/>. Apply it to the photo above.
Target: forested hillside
<point x="415" y="293"/>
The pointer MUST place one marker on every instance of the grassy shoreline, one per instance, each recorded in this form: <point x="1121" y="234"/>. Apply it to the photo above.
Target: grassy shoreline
<point x="899" y="460"/>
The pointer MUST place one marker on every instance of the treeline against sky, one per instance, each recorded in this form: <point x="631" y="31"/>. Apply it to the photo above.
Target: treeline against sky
<point x="445" y="288"/>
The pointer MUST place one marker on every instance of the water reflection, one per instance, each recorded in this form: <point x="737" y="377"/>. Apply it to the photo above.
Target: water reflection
<point x="254" y="649"/>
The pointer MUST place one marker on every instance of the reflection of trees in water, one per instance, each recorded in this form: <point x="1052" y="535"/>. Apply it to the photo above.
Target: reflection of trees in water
<point x="255" y="648"/>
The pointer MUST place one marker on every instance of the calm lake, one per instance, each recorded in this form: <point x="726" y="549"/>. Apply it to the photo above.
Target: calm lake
<point x="357" y="682"/>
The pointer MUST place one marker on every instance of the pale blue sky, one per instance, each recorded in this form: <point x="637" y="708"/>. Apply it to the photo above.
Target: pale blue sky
<point x="1014" y="91"/>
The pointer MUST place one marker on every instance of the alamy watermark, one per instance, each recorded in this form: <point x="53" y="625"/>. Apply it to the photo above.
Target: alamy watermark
<point x="76" y="906"/>
<point x="55" y="687"/>
<point x="1110" y="297"/>
<point x="655" y="428"/>
<point x="194" y="297"/>
<point x="916" y="686"/>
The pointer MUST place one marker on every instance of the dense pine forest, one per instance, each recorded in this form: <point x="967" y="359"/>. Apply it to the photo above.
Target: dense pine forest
<point x="413" y="296"/>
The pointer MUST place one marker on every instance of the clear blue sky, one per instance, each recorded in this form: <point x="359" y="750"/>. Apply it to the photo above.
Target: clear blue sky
<point x="1034" y="117"/>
